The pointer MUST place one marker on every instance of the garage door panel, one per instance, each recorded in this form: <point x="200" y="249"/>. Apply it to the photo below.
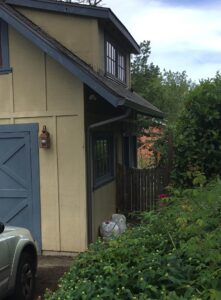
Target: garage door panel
<point x="19" y="177"/>
<point x="10" y="152"/>
<point x="11" y="179"/>
<point x="17" y="217"/>
<point x="7" y="205"/>
<point x="8" y="144"/>
<point x="16" y="164"/>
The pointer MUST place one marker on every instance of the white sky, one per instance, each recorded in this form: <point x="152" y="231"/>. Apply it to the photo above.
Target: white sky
<point x="184" y="35"/>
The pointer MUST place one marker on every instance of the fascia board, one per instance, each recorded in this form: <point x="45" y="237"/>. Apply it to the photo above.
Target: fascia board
<point x="80" y="10"/>
<point x="83" y="10"/>
<point x="60" y="57"/>
<point x="143" y="110"/>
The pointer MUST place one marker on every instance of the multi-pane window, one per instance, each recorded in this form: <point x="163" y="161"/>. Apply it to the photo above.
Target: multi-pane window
<point x="4" y="57"/>
<point x="102" y="158"/>
<point x="111" y="59"/>
<point x="121" y="67"/>
<point x="115" y="62"/>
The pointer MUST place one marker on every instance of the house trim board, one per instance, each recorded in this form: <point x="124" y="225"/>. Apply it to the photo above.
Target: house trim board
<point x="62" y="56"/>
<point x="64" y="60"/>
<point x="5" y="48"/>
<point x="81" y="10"/>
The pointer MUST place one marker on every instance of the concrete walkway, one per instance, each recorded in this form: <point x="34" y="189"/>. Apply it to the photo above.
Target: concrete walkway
<point x="54" y="261"/>
<point x="50" y="269"/>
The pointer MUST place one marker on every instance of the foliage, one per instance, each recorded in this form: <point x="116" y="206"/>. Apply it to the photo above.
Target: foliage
<point x="145" y="77"/>
<point x="198" y="133"/>
<point x="147" y="154"/>
<point x="175" y="88"/>
<point x="89" y="2"/>
<point x="164" y="146"/>
<point x="166" y="90"/>
<point x="173" y="254"/>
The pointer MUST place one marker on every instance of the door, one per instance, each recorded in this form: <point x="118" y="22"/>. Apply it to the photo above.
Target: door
<point x="19" y="177"/>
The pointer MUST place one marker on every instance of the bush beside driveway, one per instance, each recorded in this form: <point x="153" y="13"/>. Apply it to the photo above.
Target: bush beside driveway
<point x="173" y="254"/>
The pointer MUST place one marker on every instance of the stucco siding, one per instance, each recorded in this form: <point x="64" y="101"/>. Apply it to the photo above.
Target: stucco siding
<point x="28" y="74"/>
<point x="71" y="167"/>
<point x="104" y="205"/>
<point x="41" y="91"/>
<point x="6" y="93"/>
<point x="65" y="94"/>
<point x="5" y="121"/>
<point x="78" y="34"/>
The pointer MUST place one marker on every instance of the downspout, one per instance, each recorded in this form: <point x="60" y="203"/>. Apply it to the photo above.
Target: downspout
<point x="90" y="166"/>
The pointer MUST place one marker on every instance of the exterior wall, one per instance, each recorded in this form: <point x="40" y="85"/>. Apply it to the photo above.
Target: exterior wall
<point x="78" y="34"/>
<point x="104" y="205"/>
<point x="81" y="35"/>
<point x="41" y="91"/>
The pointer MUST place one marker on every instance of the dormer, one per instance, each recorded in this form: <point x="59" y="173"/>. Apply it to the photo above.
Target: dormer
<point x="94" y="34"/>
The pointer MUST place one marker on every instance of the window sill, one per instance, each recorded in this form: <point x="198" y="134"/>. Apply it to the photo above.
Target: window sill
<point x="5" y="70"/>
<point x="109" y="76"/>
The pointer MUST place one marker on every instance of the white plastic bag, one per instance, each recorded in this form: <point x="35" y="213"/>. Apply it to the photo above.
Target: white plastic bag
<point x="120" y="220"/>
<point x="109" y="229"/>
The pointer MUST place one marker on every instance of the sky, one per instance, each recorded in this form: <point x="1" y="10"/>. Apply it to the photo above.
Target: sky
<point x="185" y="35"/>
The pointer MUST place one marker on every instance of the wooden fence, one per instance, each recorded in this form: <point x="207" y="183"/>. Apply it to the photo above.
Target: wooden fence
<point x="139" y="189"/>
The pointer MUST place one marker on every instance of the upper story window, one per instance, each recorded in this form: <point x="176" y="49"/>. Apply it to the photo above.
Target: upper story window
<point x="115" y="62"/>
<point x="4" y="50"/>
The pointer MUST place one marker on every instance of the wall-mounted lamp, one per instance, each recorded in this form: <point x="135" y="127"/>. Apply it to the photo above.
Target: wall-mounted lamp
<point x="44" y="138"/>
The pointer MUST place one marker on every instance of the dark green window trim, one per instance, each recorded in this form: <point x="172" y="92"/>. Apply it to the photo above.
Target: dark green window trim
<point x="4" y="48"/>
<point x="130" y="151"/>
<point x="115" y="61"/>
<point x="103" y="159"/>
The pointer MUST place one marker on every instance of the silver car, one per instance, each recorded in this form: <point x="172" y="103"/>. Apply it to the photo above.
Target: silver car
<point x="18" y="263"/>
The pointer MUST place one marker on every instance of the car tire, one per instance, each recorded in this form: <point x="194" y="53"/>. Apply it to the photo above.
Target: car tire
<point x="25" y="278"/>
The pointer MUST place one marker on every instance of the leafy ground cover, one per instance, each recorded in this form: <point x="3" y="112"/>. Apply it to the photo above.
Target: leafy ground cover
<point x="174" y="253"/>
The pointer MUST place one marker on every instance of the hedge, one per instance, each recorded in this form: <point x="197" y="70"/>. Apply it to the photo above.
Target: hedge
<point x="174" y="253"/>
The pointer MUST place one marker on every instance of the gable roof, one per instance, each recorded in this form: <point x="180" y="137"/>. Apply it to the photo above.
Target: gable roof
<point x="112" y="92"/>
<point x="102" y="13"/>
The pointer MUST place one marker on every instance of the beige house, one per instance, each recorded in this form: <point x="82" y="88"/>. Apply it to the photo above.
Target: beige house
<point x="67" y="67"/>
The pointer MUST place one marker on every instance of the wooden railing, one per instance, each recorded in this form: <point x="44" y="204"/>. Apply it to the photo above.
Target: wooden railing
<point x="139" y="189"/>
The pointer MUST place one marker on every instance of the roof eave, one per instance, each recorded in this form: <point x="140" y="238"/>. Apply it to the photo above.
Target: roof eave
<point x="144" y="110"/>
<point x="67" y="63"/>
<point x="8" y="15"/>
<point x="81" y="10"/>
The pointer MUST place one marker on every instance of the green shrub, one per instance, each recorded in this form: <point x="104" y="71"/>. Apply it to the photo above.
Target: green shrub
<point x="173" y="254"/>
<point x="198" y="133"/>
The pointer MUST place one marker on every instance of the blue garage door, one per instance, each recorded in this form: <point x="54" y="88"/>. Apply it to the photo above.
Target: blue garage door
<point x="19" y="177"/>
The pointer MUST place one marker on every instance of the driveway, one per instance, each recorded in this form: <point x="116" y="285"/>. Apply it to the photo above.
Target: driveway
<point x="50" y="269"/>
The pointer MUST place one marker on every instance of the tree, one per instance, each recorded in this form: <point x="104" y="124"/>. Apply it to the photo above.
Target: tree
<point x="89" y="2"/>
<point x="198" y="134"/>
<point x="175" y="88"/>
<point x="166" y="90"/>
<point x="145" y="77"/>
